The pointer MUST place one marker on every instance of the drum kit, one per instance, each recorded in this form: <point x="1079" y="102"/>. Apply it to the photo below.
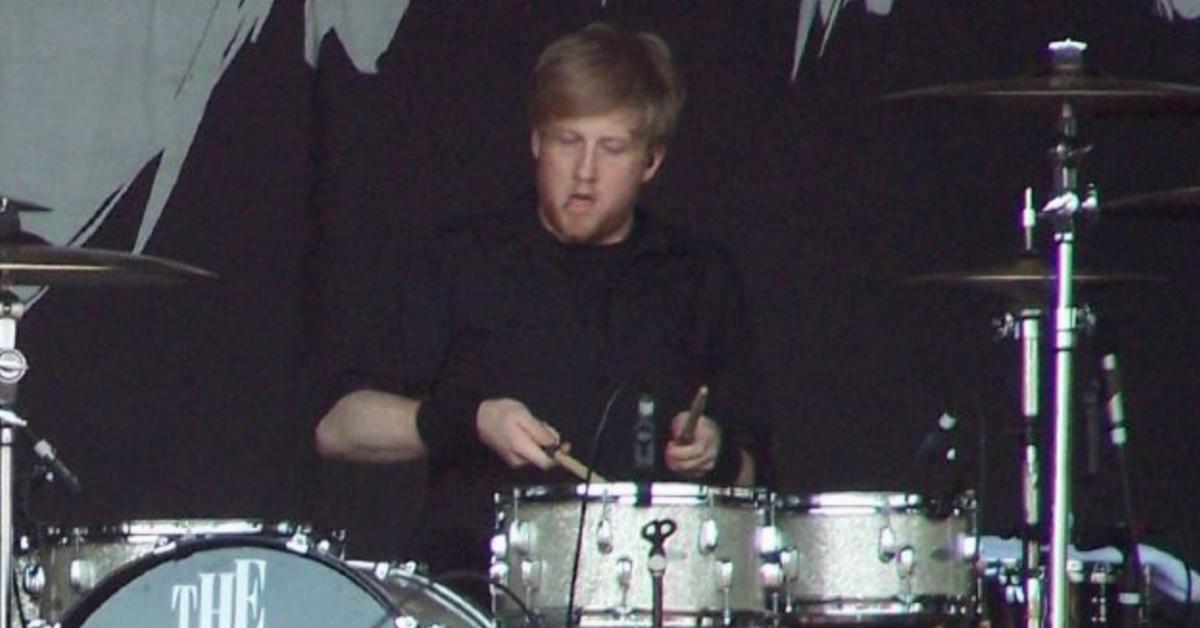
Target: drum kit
<point x="634" y="554"/>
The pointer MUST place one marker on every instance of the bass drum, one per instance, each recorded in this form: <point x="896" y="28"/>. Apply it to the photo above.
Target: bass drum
<point x="261" y="583"/>
<point x="63" y="564"/>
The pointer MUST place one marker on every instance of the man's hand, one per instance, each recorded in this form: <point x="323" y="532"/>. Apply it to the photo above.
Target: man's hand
<point x="508" y="428"/>
<point x="695" y="460"/>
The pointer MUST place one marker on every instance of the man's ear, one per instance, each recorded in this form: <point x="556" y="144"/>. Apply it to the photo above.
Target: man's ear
<point x="535" y="141"/>
<point x="654" y="159"/>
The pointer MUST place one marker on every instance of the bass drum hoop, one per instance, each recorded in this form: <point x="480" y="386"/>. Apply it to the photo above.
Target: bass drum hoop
<point x="83" y="609"/>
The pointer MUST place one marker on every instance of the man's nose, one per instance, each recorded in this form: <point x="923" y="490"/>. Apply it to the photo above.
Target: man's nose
<point x="585" y="166"/>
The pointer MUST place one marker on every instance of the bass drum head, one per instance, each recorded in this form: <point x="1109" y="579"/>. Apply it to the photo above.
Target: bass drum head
<point x="255" y="583"/>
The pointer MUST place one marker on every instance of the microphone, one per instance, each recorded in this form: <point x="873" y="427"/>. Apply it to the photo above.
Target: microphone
<point x="45" y="452"/>
<point x="1114" y="401"/>
<point x="938" y="444"/>
<point x="1130" y="596"/>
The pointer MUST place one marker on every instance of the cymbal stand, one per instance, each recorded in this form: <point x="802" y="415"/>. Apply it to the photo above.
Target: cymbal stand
<point x="1066" y="56"/>
<point x="1024" y="324"/>
<point x="12" y="368"/>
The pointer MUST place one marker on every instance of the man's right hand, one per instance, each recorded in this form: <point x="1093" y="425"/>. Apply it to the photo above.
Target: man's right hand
<point x="508" y="428"/>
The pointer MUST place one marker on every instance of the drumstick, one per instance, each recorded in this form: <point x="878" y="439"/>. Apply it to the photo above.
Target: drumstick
<point x="688" y="434"/>
<point x="570" y="463"/>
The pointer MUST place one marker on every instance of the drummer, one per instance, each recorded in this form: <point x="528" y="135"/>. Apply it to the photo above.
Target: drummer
<point x="578" y="321"/>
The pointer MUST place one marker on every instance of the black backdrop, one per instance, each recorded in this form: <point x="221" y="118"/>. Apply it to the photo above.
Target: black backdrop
<point x="194" y="402"/>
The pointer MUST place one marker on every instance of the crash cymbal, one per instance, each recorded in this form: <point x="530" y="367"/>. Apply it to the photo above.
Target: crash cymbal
<point x="1091" y="92"/>
<point x="1182" y="204"/>
<point x="26" y="262"/>
<point x="1028" y="279"/>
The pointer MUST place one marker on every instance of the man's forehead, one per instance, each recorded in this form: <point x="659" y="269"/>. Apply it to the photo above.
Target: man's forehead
<point x="622" y="123"/>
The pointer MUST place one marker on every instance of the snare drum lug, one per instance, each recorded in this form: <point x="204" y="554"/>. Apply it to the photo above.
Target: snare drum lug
<point x="299" y="543"/>
<point x="789" y="561"/>
<point x="624" y="579"/>
<point x="498" y="573"/>
<point x="406" y="621"/>
<point x="82" y="574"/>
<point x="887" y="544"/>
<point x="531" y="575"/>
<point x="767" y="540"/>
<point x="163" y="546"/>
<point x="521" y="536"/>
<point x="906" y="561"/>
<point x="724" y="573"/>
<point x="499" y="546"/>
<point x="771" y="576"/>
<point x="624" y="572"/>
<point x="709" y="536"/>
<point x="604" y="536"/>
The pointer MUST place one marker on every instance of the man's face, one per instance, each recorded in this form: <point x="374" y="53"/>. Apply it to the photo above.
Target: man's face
<point x="589" y="172"/>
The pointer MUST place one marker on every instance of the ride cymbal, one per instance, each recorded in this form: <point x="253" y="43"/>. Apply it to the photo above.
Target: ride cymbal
<point x="1027" y="279"/>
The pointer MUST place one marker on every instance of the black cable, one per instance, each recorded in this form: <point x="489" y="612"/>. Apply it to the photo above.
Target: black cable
<point x="587" y="483"/>
<point x="451" y="576"/>
<point x="15" y="604"/>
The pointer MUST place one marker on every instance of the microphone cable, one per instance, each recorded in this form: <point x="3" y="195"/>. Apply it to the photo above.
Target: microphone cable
<point x="587" y="483"/>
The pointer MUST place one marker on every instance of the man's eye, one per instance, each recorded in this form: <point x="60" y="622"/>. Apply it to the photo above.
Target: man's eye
<point x="614" y="148"/>
<point x="568" y="139"/>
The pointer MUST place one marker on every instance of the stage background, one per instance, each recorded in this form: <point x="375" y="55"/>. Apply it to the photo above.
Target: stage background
<point x="289" y="147"/>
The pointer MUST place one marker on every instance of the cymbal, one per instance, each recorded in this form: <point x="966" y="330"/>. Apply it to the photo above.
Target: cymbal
<point x="1091" y="92"/>
<point x="1028" y="279"/>
<point x="8" y="203"/>
<point x="1180" y="204"/>
<point x="25" y="262"/>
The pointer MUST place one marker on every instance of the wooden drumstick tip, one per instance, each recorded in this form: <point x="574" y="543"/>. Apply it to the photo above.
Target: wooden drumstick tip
<point x="688" y="433"/>
<point x="570" y="463"/>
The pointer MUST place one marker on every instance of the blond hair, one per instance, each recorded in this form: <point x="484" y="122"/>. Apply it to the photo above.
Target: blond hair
<point x="600" y="69"/>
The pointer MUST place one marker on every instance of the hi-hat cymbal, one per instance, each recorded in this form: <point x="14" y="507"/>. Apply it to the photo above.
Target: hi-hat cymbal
<point x="1028" y="279"/>
<point x="28" y="263"/>
<point x="1091" y="92"/>
<point x="1181" y="204"/>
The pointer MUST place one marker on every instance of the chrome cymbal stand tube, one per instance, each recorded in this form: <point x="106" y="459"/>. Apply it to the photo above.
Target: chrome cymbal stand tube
<point x="12" y="369"/>
<point x="1066" y="56"/>
<point x="1023" y="323"/>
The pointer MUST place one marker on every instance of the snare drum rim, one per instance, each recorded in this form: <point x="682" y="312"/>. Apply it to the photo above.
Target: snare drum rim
<point x="852" y="502"/>
<point x="85" y="606"/>
<point x="659" y="493"/>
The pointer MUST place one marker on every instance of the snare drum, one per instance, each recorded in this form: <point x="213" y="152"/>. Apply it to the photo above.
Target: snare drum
<point x="248" y="582"/>
<point x="65" y="564"/>
<point x="879" y="558"/>
<point x="712" y="564"/>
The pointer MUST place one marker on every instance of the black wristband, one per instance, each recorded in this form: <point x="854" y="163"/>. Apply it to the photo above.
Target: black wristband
<point x="446" y="420"/>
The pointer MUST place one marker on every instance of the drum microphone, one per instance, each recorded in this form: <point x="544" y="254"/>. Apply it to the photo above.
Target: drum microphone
<point x="1114" y="401"/>
<point x="937" y="444"/>
<point x="45" y="452"/>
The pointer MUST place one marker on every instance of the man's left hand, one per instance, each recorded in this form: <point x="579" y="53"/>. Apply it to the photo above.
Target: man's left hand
<point x="694" y="460"/>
